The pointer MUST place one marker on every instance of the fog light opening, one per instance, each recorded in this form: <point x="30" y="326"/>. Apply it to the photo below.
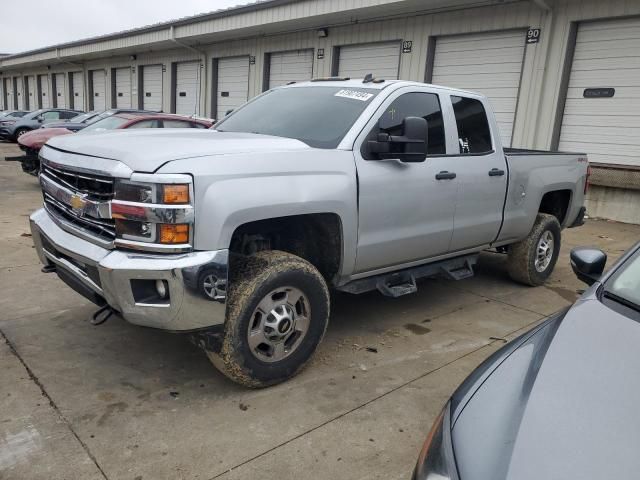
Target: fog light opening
<point x="162" y="288"/>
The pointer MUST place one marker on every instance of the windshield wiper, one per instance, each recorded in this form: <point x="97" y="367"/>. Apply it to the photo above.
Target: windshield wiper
<point x="621" y="300"/>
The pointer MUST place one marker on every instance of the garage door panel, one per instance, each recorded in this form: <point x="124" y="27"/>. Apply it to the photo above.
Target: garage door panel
<point x="187" y="88"/>
<point x="489" y="63"/>
<point x="45" y="99"/>
<point x="233" y="84"/>
<point x="381" y="59"/>
<point x="60" y="93"/>
<point x="151" y="89"/>
<point x="607" y="54"/>
<point x="78" y="91"/>
<point x="123" y="87"/>
<point x="99" y="88"/>
<point x="32" y="94"/>
<point x="285" y="67"/>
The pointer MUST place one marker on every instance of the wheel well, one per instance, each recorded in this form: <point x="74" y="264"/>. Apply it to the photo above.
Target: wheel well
<point x="556" y="203"/>
<point x="315" y="237"/>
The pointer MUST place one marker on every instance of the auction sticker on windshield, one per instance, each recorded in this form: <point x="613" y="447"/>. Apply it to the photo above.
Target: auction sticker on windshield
<point x="354" y="94"/>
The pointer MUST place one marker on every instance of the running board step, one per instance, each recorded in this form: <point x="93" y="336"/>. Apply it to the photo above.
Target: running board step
<point x="397" y="284"/>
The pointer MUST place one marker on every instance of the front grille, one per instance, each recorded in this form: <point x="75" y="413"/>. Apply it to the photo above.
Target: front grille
<point x="96" y="188"/>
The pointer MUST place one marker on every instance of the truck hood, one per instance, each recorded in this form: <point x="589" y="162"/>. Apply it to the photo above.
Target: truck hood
<point x="148" y="150"/>
<point x="562" y="405"/>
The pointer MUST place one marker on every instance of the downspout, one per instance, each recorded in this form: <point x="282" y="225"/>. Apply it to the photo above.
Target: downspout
<point x="202" y="53"/>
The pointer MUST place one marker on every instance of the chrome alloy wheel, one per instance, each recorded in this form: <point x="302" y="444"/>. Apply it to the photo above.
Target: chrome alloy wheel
<point x="278" y="324"/>
<point x="544" y="251"/>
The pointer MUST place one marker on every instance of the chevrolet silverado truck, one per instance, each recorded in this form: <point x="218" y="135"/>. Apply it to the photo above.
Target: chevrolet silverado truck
<point x="235" y="236"/>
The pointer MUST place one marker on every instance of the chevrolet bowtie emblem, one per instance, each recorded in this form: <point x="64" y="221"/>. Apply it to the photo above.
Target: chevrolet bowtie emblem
<point x="77" y="202"/>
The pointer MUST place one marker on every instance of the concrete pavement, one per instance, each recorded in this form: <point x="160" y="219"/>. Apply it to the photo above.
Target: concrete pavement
<point x="124" y="402"/>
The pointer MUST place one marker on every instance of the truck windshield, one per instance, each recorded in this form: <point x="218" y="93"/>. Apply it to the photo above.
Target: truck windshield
<point x="318" y="116"/>
<point x="624" y="285"/>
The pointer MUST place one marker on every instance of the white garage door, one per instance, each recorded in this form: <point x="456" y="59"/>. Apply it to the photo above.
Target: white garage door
<point x="77" y="85"/>
<point x="233" y="84"/>
<point x="8" y="94"/>
<point x="60" y="91"/>
<point x="99" y="89"/>
<point x="123" y="87"/>
<point x="607" y="56"/>
<point x="187" y="88"/>
<point x="32" y="93"/>
<point x="381" y="59"/>
<point x="45" y="99"/>
<point x="295" y="66"/>
<point x="151" y="89"/>
<point x="488" y="63"/>
<point x="19" y="87"/>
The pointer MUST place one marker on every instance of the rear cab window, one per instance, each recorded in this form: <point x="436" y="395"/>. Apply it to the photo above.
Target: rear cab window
<point x="474" y="134"/>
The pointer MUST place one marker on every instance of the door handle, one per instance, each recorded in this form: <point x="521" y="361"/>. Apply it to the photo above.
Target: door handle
<point x="444" y="175"/>
<point x="496" y="172"/>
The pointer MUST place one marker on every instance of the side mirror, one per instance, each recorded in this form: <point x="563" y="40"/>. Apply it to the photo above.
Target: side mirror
<point x="588" y="264"/>
<point x="40" y="119"/>
<point x="411" y="146"/>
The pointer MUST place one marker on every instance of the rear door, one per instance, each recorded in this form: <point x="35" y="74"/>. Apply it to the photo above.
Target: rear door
<point x="406" y="210"/>
<point x="123" y="87"/>
<point x="481" y="171"/>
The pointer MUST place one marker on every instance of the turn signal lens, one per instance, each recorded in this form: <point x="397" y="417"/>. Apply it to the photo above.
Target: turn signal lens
<point x="174" y="233"/>
<point x="178" y="193"/>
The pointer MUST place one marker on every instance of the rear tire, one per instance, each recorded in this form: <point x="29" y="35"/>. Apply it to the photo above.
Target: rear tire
<point x="19" y="132"/>
<point x="531" y="261"/>
<point x="277" y="314"/>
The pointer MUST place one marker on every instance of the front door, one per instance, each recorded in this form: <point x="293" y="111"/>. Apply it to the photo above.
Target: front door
<point x="406" y="210"/>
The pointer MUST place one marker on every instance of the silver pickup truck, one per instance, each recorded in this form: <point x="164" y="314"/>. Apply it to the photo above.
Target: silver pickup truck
<point x="236" y="235"/>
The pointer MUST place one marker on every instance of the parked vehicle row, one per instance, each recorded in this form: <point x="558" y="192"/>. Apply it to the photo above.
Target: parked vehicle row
<point x="13" y="128"/>
<point x="240" y="232"/>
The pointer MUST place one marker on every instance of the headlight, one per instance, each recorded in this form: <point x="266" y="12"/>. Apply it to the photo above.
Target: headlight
<point x="436" y="460"/>
<point x="154" y="212"/>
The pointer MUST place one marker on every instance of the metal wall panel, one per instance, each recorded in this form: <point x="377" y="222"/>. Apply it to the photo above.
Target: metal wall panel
<point x="77" y="87"/>
<point x="488" y="63"/>
<point x="381" y="59"/>
<point x="188" y="88"/>
<point x="233" y="84"/>
<point x="294" y="66"/>
<point x="151" y="88"/>
<point x="98" y="90"/>
<point x="607" y="55"/>
<point x="123" y="87"/>
<point x="44" y="90"/>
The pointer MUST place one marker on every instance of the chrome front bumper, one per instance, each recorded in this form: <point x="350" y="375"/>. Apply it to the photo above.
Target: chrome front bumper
<point x="123" y="279"/>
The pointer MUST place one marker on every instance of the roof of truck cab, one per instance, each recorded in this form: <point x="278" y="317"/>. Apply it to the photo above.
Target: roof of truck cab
<point x="358" y="83"/>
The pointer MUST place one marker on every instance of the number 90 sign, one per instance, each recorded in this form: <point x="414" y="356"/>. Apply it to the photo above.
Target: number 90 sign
<point x="533" y="35"/>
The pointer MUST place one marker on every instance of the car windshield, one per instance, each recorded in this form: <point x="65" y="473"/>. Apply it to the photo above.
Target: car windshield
<point x="32" y="115"/>
<point x="624" y="285"/>
<point x="318" y="116"/>
<point x="108" y="123"/>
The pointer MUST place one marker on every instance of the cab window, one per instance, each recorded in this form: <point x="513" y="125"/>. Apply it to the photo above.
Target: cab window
<point x="474" y="135"/>
<point x="415" y="104"/>
<point x="146" y="124"/>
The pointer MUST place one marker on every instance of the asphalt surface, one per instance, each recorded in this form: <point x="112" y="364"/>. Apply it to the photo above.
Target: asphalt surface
<point x="123" y="402"/>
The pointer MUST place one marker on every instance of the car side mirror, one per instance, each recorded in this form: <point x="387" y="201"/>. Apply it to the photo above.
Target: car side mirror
<point x="411" y="146"/>
<point x="588" y="264"/>
<point x="40" y="119"/>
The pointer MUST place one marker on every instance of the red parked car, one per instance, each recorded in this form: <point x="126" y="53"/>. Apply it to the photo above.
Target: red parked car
<point x="32" y="142"/>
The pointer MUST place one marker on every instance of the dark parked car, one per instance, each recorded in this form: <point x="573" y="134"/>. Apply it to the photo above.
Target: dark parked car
<point x="14" y="128"/>
<point x="560" y="401"/>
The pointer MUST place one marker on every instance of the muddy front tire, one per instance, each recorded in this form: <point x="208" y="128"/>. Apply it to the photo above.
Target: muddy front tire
<point x="277" y="313"/>
<point x="531" y="261"/>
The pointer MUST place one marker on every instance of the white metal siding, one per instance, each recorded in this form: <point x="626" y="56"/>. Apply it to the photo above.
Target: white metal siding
<point x="45" y="98"/>
<point x="61" y="91"/>
<point x="20" y="93"/>
<point x="123" y="87"/>
<point x="78" y="90"/>
<point x="381" y="59"/>
<point x="488" y="63"/>
<point x="99" y="89"/>
<point x="607" y="55"/>
<point x="233" y="84"/>
<point x="187" y="88"/>
<point x="32" y="94"/>
<point x="151" y="89"/>
<point x="285" y="67"/>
